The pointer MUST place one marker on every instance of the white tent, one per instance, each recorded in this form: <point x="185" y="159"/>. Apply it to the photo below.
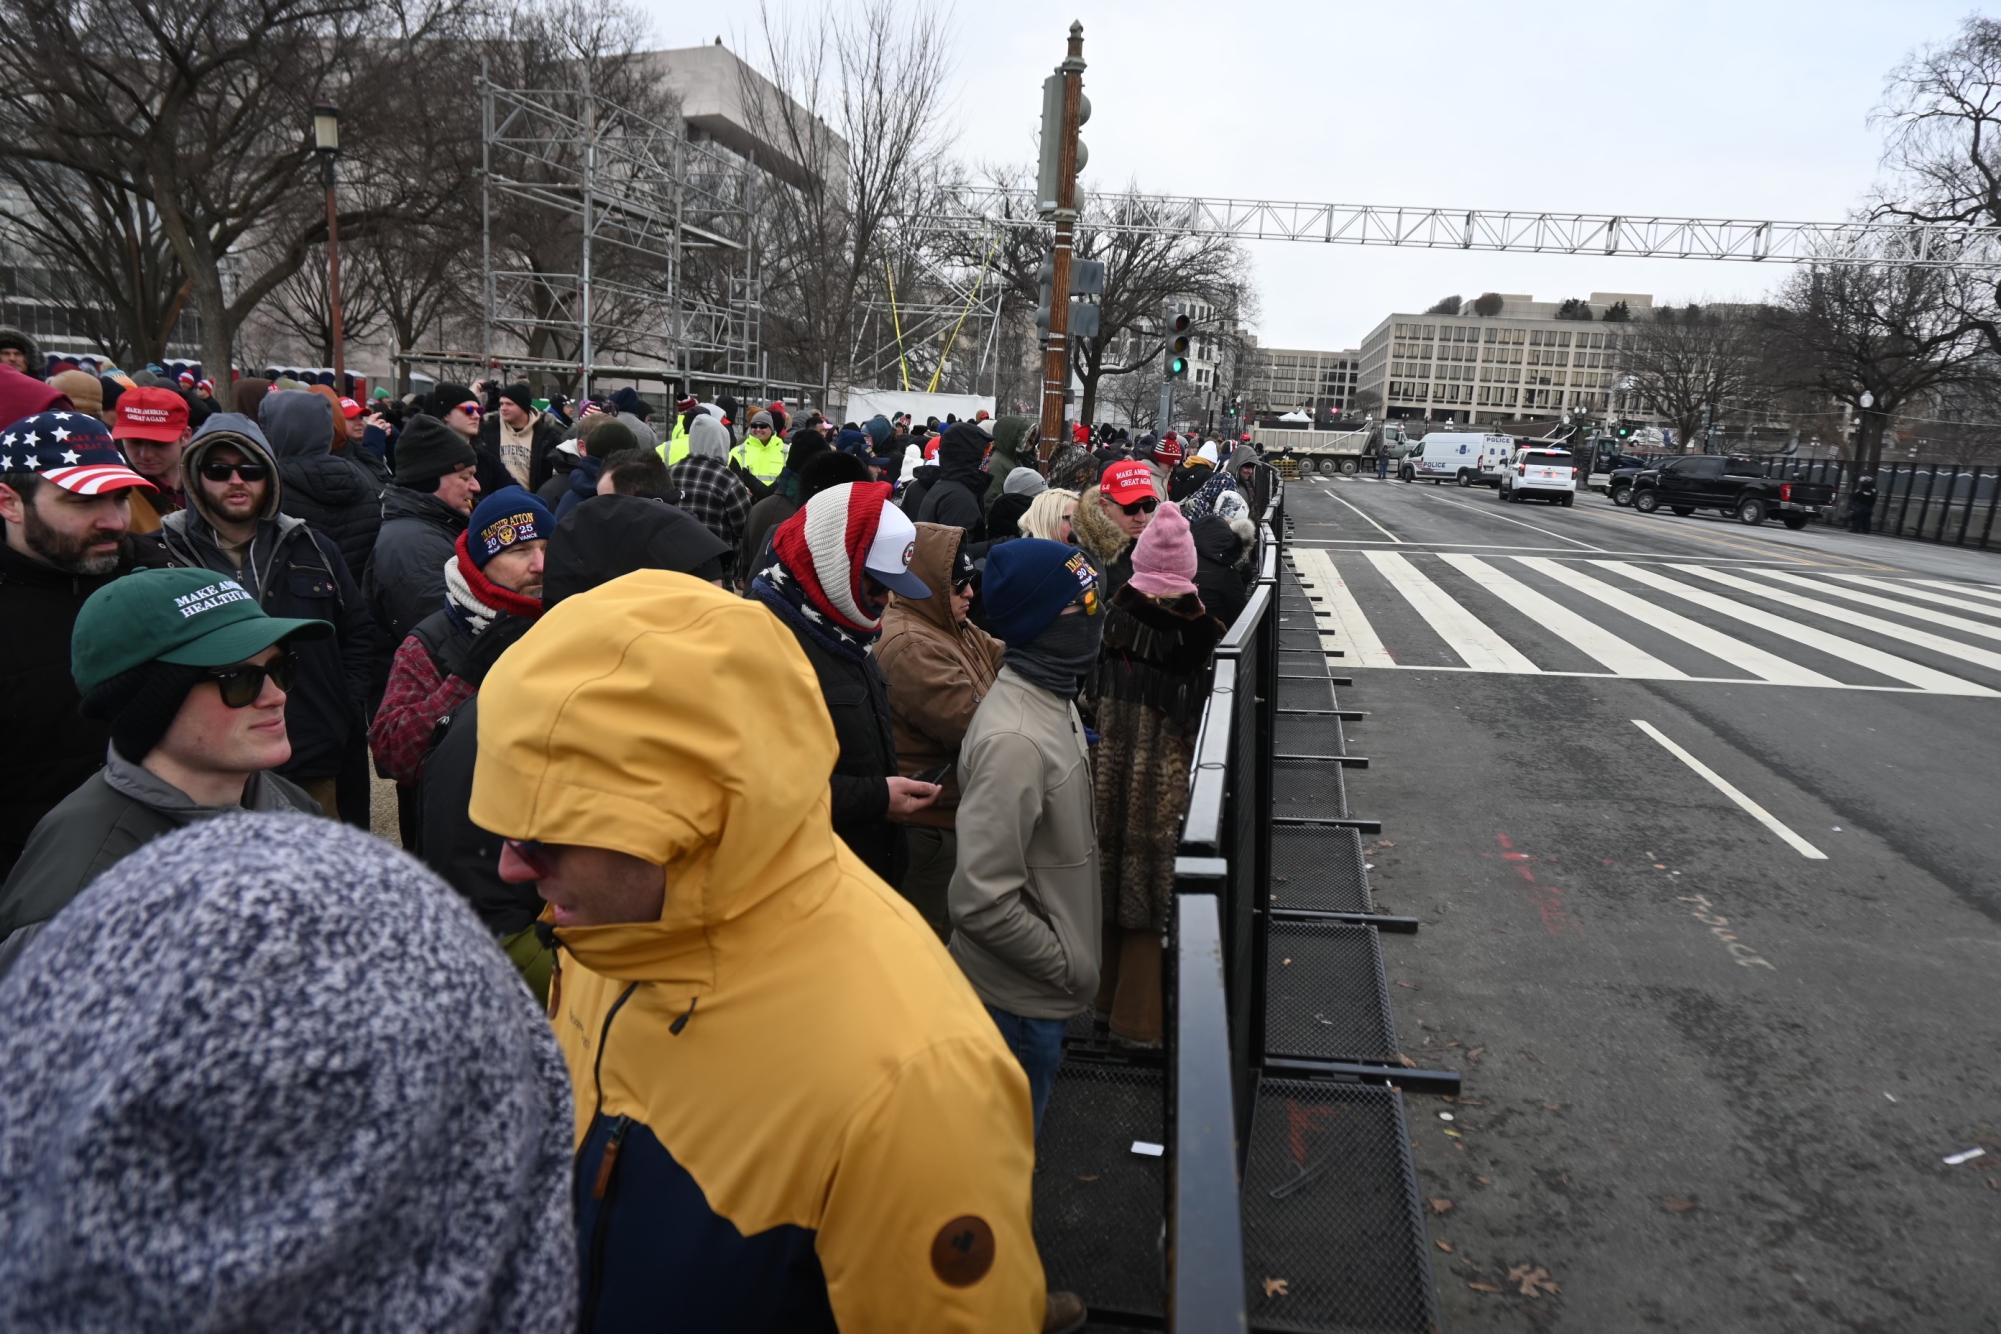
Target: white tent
<point x="1297" y="416"/>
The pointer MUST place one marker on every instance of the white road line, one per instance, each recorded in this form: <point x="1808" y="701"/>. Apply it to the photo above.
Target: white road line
<point x="1481" y="509"/>
<point x="1951" y="648"/>
<point x="1747" y="657"/>
<point x="1587" y="636"/>
<point x="1979" y="629"/>
<point x="1366" y="519"/>
<point x="1976" y="590"/>
<point x="1861" y="655"/>
<point x="1564" y="552"/>
<point x="1728" y="789"/>
<point x="1354" y="636"/>
<point x="1466" y="634"/>
<point x="1688" y="680"/>
<point x="1904" y="589"/>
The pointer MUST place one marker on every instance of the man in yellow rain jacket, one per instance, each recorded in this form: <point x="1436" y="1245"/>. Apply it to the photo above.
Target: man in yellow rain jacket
<point x="792" y="1112"/>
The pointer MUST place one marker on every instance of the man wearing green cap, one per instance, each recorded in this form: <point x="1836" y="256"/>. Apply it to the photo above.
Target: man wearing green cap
<point x="190" y="674"/>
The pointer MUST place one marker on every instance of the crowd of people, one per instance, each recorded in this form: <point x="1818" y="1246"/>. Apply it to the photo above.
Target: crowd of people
<point x="811" y="779"/>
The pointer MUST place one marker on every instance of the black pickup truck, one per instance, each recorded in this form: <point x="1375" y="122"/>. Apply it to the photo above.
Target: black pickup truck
<point x="1734" y="486"/>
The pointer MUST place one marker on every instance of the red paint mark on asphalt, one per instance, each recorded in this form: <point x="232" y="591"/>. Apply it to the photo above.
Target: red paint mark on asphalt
<point x="1300" y="1118"/>
<point x="1548" y="899"/>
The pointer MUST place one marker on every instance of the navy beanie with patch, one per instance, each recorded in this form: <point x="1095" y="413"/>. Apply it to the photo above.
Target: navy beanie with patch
<point x="506" y="518"/>
<point x="1028" y="583"/>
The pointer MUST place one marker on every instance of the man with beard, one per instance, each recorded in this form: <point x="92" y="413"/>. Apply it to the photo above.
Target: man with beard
<point x="64" y="496"/>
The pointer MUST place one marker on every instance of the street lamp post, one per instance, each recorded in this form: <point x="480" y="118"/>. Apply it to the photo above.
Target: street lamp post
<point x="326" y="145"/>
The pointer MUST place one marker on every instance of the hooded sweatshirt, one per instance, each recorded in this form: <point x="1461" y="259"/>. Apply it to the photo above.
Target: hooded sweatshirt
<point x="280" y="1080"/>
<point x="337" y="497"/>
<point x="937" y="671"/>
<point x="816" y="1125"/>
<point x="710" y="487"/>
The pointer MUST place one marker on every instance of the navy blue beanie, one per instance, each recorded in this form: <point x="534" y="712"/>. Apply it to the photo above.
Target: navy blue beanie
<point x="510" y="515"/>
<point x="1029" y="582"/>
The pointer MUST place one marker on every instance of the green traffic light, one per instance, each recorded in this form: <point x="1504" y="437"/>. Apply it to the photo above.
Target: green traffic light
<point x="1177" y="366"/>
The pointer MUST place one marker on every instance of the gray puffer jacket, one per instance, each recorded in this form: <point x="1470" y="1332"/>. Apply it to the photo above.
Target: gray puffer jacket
<point x="118" y="809"/>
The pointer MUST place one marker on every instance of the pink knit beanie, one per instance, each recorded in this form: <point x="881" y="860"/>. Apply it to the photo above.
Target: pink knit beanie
<point x="1164" y="556"/>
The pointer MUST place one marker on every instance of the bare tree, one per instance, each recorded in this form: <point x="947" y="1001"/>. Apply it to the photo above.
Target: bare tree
<point x="1942" y="112"/>
<point x="1149" y="266"/>
<point x="1445" y="305"/>
<point x="302" y="305"/>
<point x="203" y="109"/>
<point x="1890" y="336"/>
<point x="1687" y="362"/>
<point x="852" y="100"/>
<point x="95" y="249"/>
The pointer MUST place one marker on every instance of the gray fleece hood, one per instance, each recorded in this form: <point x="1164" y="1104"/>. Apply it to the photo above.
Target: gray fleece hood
<point x="270" y="1073"/>
<point x="297" y="424"/>
<point x="242" y="434"/>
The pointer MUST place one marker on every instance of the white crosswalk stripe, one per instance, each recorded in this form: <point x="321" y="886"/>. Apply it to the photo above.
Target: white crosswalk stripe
<point x="1975" y="590"/>
<point x="1651" y="620"/>
<point x="1470" y="637"/>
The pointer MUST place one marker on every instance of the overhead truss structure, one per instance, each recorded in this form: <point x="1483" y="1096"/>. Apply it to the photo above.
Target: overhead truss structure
<point x="661" y="280"/>
<point x="1629" y="236"/>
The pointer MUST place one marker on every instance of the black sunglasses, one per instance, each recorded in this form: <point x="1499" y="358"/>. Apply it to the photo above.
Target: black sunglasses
<point x="1144" y="505"/>
<point x="221" y="472"/>
<point x="240" y="685"/>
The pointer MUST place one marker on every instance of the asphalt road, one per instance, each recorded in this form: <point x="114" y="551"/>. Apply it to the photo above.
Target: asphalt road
<point x="1710" y="1079"/>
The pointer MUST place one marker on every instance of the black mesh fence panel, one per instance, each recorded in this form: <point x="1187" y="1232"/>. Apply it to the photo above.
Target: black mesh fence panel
<point x="1326" y="997"/>
<point x="1331" y="1206"/>
<point x="1098" y="1213"/>
<point x="1319" y="867"/>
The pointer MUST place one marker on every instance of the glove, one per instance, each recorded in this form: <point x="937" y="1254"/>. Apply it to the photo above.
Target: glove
<point x="474" y="660"/>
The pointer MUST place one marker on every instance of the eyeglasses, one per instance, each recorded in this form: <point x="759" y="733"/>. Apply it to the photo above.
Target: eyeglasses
<point x="536" y="856"/>
<point x="1144" y="505"/>
<point x="240" y="685"/>
<point x="222" y="472"/>
<point x="470" y="408"/>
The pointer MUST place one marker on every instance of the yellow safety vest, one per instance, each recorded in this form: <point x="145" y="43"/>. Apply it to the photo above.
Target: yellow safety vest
<point x="676" y="447"/>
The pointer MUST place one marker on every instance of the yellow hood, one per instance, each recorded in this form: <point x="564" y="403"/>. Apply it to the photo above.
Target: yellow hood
<point x="659" y="716"/>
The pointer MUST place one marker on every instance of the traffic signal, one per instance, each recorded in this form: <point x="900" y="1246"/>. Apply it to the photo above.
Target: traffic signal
<point x="1624" y="430"/>
<point x="1049" y="159"/>
<point x="1087" y="278"/>
<point x="1177" y="347"/>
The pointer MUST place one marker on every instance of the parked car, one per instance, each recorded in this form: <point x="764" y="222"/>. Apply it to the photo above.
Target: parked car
<point x="1732" y="485"/>
<point x="1540" y="474"/>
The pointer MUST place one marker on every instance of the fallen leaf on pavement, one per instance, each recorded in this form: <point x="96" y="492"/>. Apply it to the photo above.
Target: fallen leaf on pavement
<point x="1443" y="1245"/>
<point x="1407" y="986"/>
<point x="1276" y="1287"/>
<point x="1406" y="1062"/>
<point x="1474" y="1054"/>
<point x="1453" y="1134"/>
<point x="1087" y="1176"/>
<point x="1483" y="1287"/>
<point x="1533" y="1280"/>
<point x="1660" y="866"/>
<point x="1439" y="1204"/>
<point x="1678" y="1204"/>
<point x="1483" y="1181"/>
<point x="1552" y="1107"/>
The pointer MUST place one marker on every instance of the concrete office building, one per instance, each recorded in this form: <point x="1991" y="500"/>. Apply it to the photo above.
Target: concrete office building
<point x="1290" y="379"/>
<point x="1519" y="364"/>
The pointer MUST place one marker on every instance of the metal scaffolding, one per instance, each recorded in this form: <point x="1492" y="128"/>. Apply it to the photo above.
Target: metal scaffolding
<point x="659" y="280"/>
<point x="1630" y="236"/>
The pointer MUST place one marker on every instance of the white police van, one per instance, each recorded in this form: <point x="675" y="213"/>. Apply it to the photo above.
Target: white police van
<point x="1465" y="458"/>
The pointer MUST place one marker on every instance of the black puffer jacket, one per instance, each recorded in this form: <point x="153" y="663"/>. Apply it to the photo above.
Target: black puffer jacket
<point x="858" y="703"/>
<point x="1219" y="576"/>
<point x="954" y="499"/>
<point x="406" y="574"/>
<point x="339" y="498"/>
<point x="47" y="746"/>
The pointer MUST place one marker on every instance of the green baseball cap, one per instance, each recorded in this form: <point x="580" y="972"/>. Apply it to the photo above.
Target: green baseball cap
<point x="192" y="618"/>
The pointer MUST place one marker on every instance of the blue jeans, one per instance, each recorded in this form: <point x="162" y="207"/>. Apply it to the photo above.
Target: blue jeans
<point x="1038" y="1045"/>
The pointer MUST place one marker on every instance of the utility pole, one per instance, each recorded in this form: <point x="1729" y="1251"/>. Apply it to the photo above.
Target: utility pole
<point x="1056" y="348"/>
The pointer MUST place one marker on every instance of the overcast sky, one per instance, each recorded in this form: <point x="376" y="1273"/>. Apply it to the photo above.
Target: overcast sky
<point x="1748" y="109"/>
